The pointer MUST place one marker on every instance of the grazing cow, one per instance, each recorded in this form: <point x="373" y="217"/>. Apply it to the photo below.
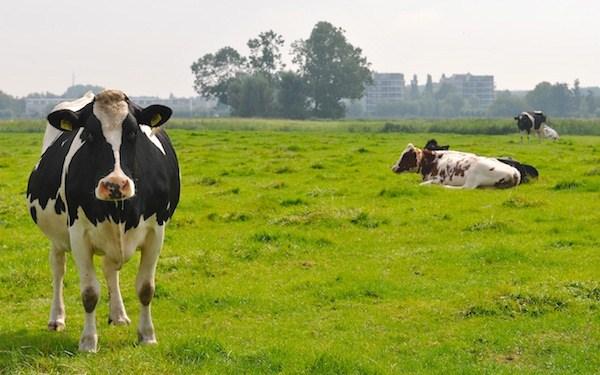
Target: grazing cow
<point x="456" y="169"/>
<point x="432" y="145"/>
<point x="106" y="184"/>
<point x="550" y="133"/>
<point x="530" y="120"/>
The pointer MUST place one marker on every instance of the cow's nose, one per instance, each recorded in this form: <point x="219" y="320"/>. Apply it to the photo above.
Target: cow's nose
<point x="115" y="188"/>
<point x="112" y="189"/>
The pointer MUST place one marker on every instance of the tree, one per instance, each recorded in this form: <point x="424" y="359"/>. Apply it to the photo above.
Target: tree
<point x="291" y="96"/>
<point x="77" y="91"/>
<point x="506" y="105"/>
<point x="10" y="106"/>
<point x="214" y="72"/>
<point x="428" y="87"/>
<point x="414" y="87"/>
<point x="576" y="106"/>
<point x="251" y="96"/>
<point x="265" y="55"/>
<point x="332" y="69"/>
<point x="553" y="99"/>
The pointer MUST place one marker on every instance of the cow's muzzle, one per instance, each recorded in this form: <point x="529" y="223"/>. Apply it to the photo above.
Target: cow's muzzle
<point x="115" y="188"/>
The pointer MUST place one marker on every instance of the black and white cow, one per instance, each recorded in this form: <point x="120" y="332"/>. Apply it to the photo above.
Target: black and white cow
<point x="526" y="121"/>
<point x="432" y="145"/>
<point x="106" y="184"/>
<point x="456" y="169"/>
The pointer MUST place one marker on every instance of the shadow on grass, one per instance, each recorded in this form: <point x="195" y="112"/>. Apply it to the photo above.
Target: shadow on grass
<point x="22" y="349"/>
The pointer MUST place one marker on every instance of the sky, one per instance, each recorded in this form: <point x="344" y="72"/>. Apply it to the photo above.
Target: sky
<point x="147" y="47"/>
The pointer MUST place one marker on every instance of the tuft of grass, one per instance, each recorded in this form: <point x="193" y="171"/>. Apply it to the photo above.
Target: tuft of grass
<point x="593" y="172"/>
<point x="521" y="202"/>
<point x="516" y="304"/>
<point x="364" y="220"/>
<point x="567" y="185"/>
<point x="292" y="202"/>
<point x="487" y="225"/>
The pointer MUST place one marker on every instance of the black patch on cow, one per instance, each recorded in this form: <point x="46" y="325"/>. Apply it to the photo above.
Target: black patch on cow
<point x="59" y="205"/>
<point x="89" y="297"/>
<point x="33" y="213"/>
<point x="526" y="171"/>
<point x="146" y="293"/>
<point x="45" y="180"/>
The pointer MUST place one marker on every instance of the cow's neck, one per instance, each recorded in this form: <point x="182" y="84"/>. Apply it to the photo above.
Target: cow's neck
<point x="426" y="162"/>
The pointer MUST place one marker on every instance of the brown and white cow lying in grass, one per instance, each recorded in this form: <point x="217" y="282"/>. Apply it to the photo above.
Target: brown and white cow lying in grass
<point x="456" y="169"/>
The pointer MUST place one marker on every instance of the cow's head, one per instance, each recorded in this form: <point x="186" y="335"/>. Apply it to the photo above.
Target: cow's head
<point x="410" y="160"/>
<point x="110" y="129"/>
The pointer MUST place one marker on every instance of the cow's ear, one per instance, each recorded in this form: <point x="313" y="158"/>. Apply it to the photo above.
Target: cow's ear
<point x="65" y="120"/>
<point x="516" y="117"/>
<point x="154" y="115"/>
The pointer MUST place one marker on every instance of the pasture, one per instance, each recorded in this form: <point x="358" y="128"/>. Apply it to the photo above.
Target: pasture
<point x="299" y="251"/>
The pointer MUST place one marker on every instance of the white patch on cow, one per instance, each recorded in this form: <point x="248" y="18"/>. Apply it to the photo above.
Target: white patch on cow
<point x="51" y="133"/>
<point x="531" y="118"/>
<point x="480" y="172"/>
<point x="111" y="109"/>
<point x="152" y="137"/>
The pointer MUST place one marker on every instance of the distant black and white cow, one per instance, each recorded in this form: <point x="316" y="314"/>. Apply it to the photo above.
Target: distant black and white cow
<point x="456" y="169"/>
<point x="432" y="145"/>
<point x="106" y="184"/>
<point x="526" y="121"/>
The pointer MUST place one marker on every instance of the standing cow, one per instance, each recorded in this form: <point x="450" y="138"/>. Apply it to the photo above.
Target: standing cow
<point x="106" y="184"/>
<point x="526" y="121"/>
<point x="456" y="169"/>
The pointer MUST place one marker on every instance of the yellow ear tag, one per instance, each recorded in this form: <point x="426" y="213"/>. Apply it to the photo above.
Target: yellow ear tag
<point x="66" y="125"/>
<point x="155" y="119"/>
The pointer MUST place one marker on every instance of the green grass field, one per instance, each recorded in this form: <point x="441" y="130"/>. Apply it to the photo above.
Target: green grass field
<point x="301" y="252"/>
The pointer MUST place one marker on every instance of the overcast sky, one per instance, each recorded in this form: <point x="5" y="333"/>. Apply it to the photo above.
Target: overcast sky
<point x="147" y="47"/>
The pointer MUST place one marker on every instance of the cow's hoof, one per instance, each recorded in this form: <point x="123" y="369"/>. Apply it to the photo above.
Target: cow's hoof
<point x="56" y="325"/>
<point x="147" y="339"/>
<point x="122" y="320"/>
<point x="88" y="344"/>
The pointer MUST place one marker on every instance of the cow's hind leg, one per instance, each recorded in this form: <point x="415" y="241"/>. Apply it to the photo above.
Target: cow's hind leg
<point x="90" y="293"/>
<point x="57" y="311"/>
<point x="117" y="315"/>
<point x="145" y="283"/>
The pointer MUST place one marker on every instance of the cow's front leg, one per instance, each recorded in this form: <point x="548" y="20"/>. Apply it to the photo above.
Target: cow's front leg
<point x="117" y="314"/>
<point x="57" y="311"/>
<point x="145" y="283"/>
<point x="90" y="293"/>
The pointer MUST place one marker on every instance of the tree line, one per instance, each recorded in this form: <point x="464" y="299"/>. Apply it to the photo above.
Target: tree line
<point x="329" y="69"/>
<point x="443" y="101"/>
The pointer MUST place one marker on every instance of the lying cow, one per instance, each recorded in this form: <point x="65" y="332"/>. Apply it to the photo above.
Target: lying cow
<point x="526" y="121"/>
<point x="106" y="184"/>
<point x="456" y="169"/>
<point x="550" y="133"/>
<point x="527" y="172"/>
